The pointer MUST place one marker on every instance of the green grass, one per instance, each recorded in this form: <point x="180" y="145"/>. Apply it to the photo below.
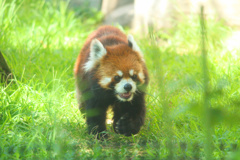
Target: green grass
<point x="39" y="117"/>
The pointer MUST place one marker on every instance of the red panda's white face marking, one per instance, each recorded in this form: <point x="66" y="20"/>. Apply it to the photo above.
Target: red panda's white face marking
<point x="120" y="73"/>
<point x="105" y="82"/>
<point x="141" y="77"/>
<point x="131" y="72"/>
<point x="125" y="89"/>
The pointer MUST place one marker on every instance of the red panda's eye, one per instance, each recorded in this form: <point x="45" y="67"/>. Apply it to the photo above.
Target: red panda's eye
<point x="117" y="78"/>
<point x="134" y="77"/>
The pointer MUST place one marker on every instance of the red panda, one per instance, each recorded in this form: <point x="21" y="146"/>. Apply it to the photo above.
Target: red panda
<point x="110" y="71"/>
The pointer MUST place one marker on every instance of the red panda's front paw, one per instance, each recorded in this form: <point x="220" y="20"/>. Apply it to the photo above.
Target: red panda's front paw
<point x="127" y="126"/>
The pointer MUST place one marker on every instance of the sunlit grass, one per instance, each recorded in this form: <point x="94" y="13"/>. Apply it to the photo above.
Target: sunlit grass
<point x="39" y="117"/>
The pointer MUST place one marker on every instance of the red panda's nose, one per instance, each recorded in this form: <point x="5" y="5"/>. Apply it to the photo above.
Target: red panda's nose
<point x="127" y="87"/>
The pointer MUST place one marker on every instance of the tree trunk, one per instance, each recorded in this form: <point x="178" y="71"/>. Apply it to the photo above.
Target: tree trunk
<point x="5" y="72"/>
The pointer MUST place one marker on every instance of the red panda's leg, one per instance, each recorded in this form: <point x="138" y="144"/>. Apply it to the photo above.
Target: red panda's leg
<point x="96" y="117"/>
<point x="129" y="116"/>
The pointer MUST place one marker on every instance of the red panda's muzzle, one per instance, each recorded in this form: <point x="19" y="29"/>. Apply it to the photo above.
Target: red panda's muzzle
<point x="125" y="95"/>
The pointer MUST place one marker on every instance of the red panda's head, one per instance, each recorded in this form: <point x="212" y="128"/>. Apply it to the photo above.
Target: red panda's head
<point x="120" y="68"/>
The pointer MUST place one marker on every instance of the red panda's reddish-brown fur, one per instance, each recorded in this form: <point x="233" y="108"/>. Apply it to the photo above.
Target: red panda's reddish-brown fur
<point x="102" y="33"/>
<point x="110" y="70"/>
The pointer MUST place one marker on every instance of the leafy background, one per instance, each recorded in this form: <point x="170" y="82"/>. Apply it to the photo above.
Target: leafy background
<point x="39" y="118"/>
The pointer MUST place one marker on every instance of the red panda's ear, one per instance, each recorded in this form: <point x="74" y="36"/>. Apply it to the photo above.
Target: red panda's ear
<point x="97" y="51"/>
<point x="132" y="44"/>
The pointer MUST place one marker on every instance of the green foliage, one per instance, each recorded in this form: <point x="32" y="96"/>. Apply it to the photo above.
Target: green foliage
<point x="39" y="117"/>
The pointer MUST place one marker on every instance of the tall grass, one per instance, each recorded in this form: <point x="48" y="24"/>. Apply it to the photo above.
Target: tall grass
<point x="206" y="113"/>
<point x="39" y="118"/>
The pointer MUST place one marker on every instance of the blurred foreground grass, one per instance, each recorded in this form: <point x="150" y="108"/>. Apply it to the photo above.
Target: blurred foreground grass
<point x="39" y="118"/>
